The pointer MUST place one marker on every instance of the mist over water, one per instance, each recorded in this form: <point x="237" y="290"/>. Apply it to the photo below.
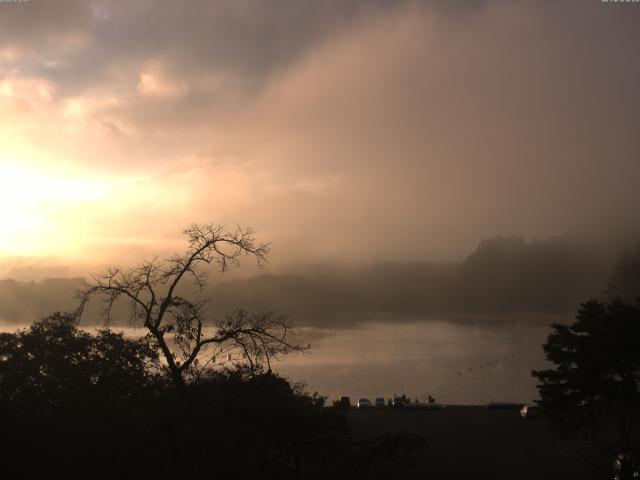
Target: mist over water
<point x="457" y="363"/>
<point x="472" y="363"/>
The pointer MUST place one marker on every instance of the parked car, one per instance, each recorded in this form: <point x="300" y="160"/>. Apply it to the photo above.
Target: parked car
<point x="364" y="403"/>
<point x="528" y="412"/>
<point x="380" y="403"/>
<point x="400" y="402"/>
<point x="344" y="403"/>
<point x="626" y="466"/>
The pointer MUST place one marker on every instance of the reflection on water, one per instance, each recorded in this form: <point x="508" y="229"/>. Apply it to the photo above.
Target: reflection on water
<point x="468" y="363"/>
<point x="457" y="364"/>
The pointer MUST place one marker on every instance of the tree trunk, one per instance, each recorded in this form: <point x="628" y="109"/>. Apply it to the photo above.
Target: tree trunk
<point x="176" y="374"/>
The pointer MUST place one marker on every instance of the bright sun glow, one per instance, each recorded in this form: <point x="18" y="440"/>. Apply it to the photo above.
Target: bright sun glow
<point x="39" y="208"/>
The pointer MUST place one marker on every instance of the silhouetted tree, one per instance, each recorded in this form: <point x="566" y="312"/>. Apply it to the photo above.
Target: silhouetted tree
<point x="71" y="400"/>
<point x="53" y="363"/>
<point x="178" y="325"/>
<point x="592" y="394"/>
<point x="625" y="278"/>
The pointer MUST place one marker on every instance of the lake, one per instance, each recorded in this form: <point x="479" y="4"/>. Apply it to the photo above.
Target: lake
<point x="457" y="363"/>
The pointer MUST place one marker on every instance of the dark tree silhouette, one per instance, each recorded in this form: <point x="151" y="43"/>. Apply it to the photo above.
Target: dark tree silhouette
<point x="53" y="363"/>
<point x="188" y="340"/>
<point x="73" y="401"/>
<point x="625" y="278"/>
<point x="592" y="394"/>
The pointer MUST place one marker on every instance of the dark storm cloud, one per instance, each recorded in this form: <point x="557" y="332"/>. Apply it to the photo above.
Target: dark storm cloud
<point x="77" y="43"/>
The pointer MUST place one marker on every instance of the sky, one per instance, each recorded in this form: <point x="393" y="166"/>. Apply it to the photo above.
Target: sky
<point x="339" y="130"/>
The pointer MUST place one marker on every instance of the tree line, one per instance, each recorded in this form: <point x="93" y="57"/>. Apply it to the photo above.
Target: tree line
<point x="503" y="276"/>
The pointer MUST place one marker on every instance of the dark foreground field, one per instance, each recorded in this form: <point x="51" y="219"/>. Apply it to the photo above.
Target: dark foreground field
<point x="472" y="442"/>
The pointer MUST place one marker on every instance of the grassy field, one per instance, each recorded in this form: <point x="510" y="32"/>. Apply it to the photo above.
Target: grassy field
<point x="472" y="442"/>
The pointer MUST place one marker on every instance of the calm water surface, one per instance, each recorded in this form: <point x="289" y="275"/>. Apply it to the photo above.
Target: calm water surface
<point x="457" y="363"/>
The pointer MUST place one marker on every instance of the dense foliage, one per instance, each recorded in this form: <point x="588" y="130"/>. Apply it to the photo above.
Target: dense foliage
<point x="54" y="363"/>
<point x="103" y="406"/>
<point x="592" y="393"/>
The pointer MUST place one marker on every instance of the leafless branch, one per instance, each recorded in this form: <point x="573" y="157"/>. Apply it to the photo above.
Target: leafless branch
<point x="178" y="325"/>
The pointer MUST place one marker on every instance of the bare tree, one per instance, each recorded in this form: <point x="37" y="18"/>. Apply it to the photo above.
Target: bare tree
<point x="188" y="340"/>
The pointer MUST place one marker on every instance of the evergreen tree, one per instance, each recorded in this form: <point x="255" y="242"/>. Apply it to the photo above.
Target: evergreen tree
<point x="592" y="393"/>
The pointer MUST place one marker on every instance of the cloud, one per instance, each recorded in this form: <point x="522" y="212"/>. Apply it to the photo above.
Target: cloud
<point x="378" y="130"/>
